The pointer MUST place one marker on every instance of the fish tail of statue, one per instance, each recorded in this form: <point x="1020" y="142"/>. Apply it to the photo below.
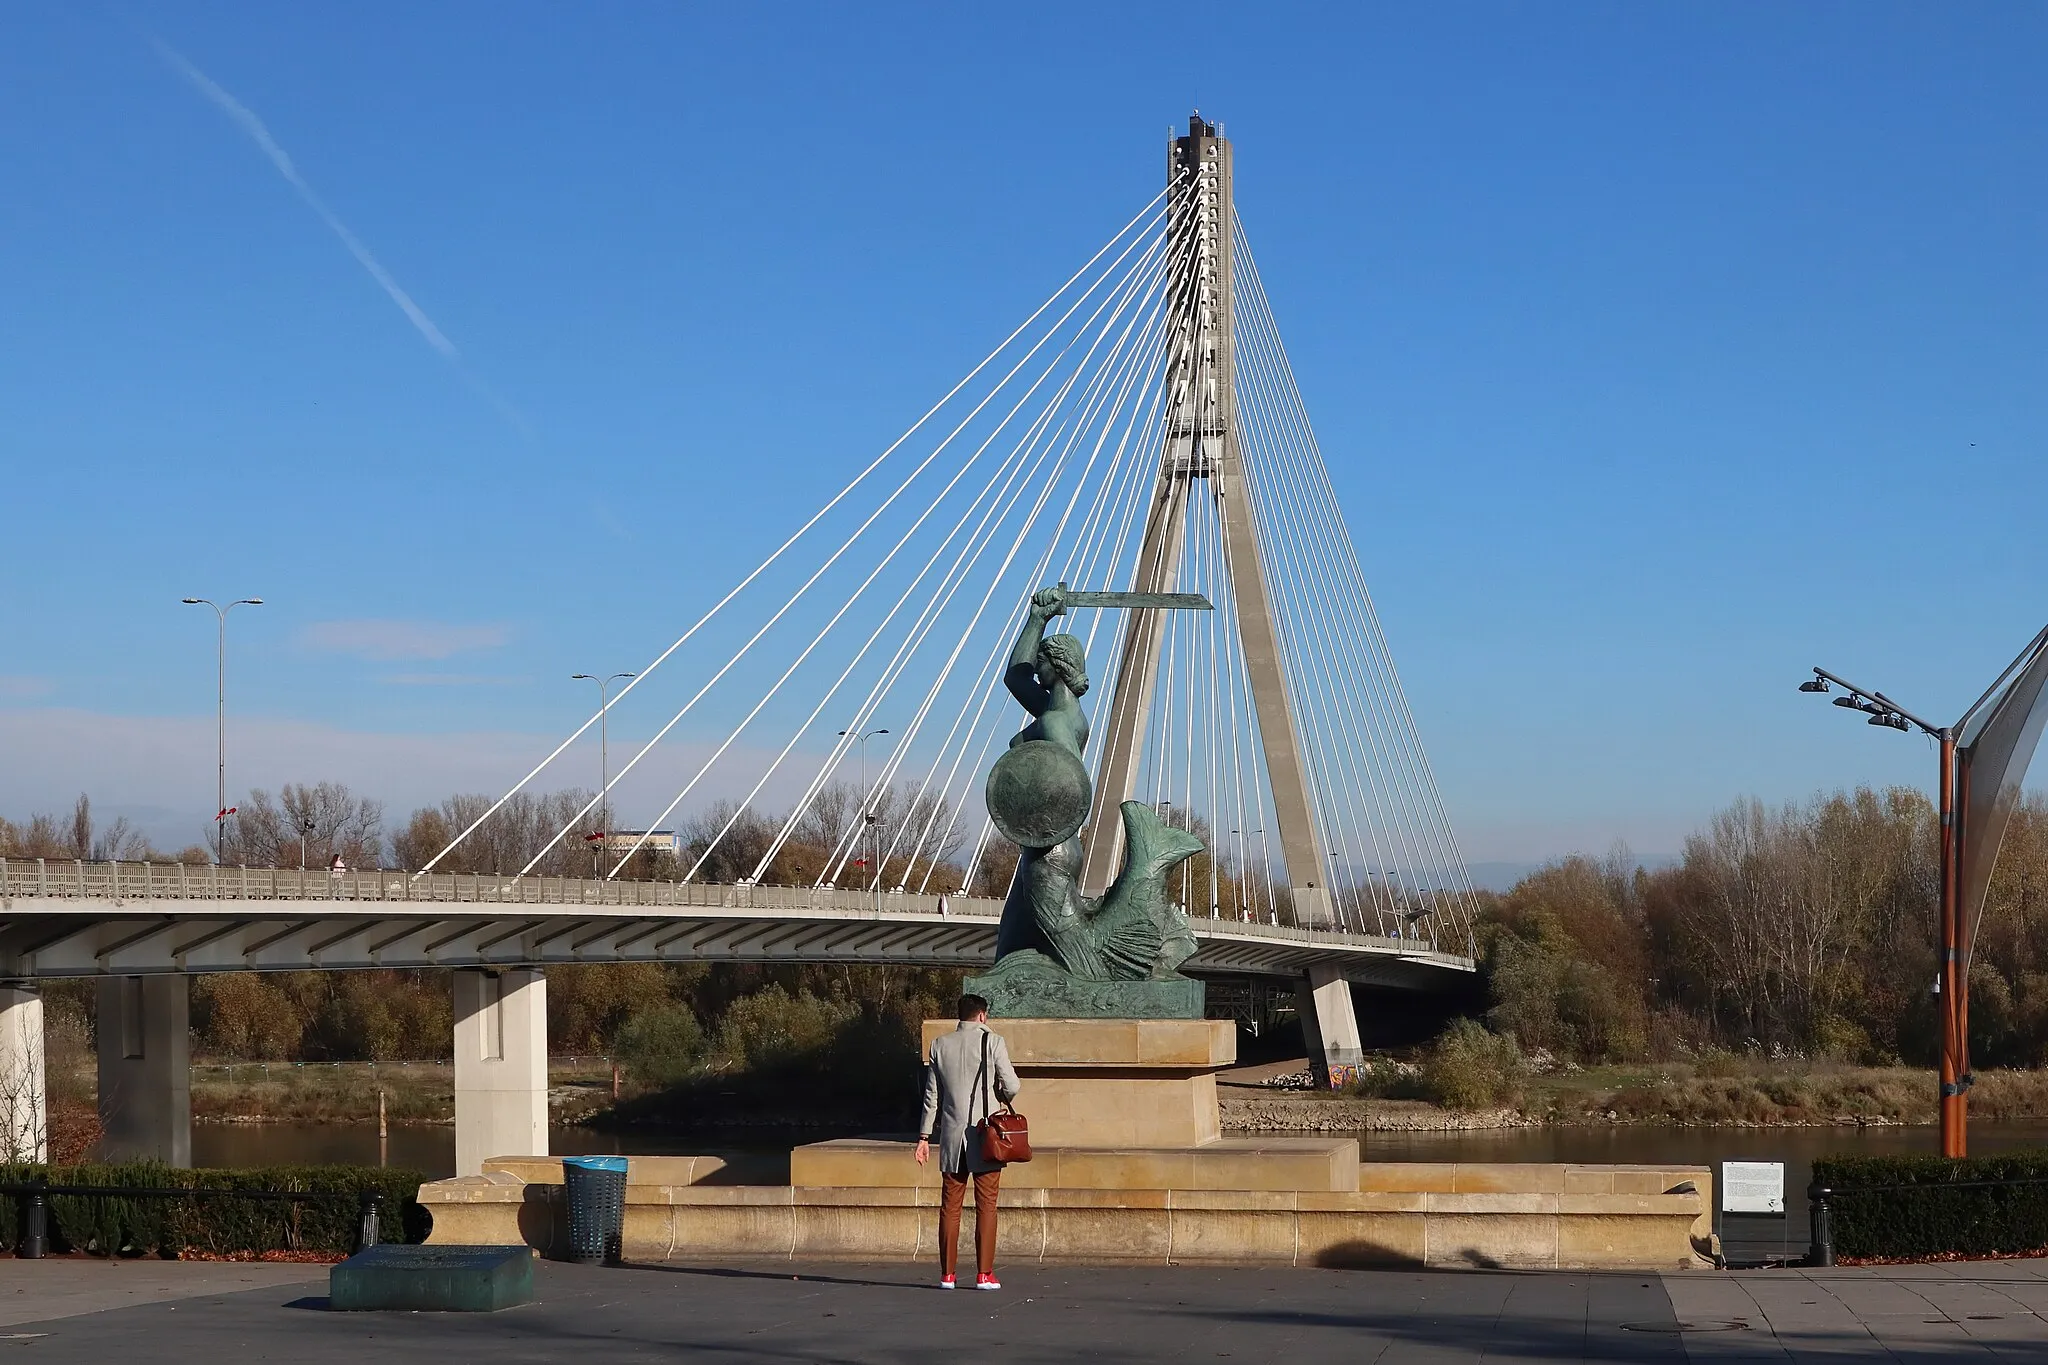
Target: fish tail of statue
<point x="1143" y="934"/>
<point x="1152" y="845"/>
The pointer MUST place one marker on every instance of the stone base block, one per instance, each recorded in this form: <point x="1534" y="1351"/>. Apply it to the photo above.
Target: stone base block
<point x="1259" y="1164"/>
<point x="1543" y="1177"/>
<point x="1147" y="1083"/>
<point x="1535" y="1215"/>
<point x="433" y="1279"/>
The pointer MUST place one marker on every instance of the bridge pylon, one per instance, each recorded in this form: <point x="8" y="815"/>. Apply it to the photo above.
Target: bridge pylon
<point x="1199" y="457"/>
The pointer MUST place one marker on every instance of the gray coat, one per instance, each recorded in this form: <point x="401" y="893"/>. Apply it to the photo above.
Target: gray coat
<point x="951" y="1106"/>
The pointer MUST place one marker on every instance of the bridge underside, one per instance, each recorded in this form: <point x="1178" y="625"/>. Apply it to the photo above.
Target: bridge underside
<point x="66" y="937"/>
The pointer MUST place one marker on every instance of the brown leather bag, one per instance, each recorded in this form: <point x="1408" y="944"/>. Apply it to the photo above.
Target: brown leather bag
<point x="1005" y="1137"/>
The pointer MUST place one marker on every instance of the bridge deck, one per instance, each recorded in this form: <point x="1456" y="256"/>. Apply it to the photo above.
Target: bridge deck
<point x="65" y="918"/>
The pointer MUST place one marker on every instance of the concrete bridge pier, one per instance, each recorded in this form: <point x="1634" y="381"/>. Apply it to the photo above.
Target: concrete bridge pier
<point x="1329" y="1023"/>
<point x="24" y="1118"/>
<point x="145" y="1064"/>
<point x="501" y="1065"/>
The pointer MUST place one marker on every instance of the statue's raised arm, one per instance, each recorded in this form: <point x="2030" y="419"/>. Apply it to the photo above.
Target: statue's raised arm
<point x="1048" y="674"/>
<point x="1022" y="675"/>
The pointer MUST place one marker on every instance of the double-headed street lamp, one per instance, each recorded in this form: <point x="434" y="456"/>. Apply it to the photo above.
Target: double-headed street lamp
<point x="1984" y="758"/>
<point x="220" y="718"/>
<point x="604" y="759"/>
<point x="867" y="819"/>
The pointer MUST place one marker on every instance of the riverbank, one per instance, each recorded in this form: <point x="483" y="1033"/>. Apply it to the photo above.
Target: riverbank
<point x="1716" y="1094"/>
<point x="1720" y="1093"/>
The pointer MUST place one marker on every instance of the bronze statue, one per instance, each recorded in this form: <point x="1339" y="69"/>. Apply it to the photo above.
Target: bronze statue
<point x="1039" y="796"/>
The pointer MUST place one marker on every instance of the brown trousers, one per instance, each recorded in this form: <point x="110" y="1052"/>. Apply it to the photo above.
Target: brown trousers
<point x="952" y="1195"/>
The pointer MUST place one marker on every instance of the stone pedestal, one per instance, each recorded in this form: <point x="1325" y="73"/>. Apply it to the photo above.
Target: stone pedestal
<point x="24" y="1121"/>
<point x="1146" y="1083"/>
<point x="501" y="1065"/>
<point x="144" y="1030"/>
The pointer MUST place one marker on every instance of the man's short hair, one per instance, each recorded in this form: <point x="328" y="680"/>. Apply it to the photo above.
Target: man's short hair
<point x="971" y="1005"/>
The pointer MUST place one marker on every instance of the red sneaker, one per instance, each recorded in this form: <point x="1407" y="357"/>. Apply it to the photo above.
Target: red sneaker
<point x="946" y="1282"/>
<point x="987" y="1282"/>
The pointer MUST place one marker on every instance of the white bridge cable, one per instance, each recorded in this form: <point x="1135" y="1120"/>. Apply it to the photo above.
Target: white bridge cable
<point x="1138" y="473"/>
<point x="1302" y="598"/>
<point x="1091" y="402"/>
<point x="1331" y="636"/>
<point x="1408" y="767"/>
<point x="836" y="555"/>
<point x="1455" y="882"/>
<point x="1116" y="363"/>
<point x="1248" y="727"/>
<point x="1137" y="275"/>
<point x="1133" y="478"/>
<point x="1150" y="211"/>
<point x="1280" y="544"/>
<point x="1149" y="345"/>
<point x="1356" y="824"/>
<point x="1420" y="818"/>
<point x="987" y="689"/>
<point x="939" y="500"/>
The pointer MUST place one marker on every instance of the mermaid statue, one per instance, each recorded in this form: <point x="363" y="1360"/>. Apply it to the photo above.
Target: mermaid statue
<point x="1053" y="939"/>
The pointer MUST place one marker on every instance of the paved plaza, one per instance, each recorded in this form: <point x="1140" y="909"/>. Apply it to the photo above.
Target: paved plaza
<point x="157" y="1311"/>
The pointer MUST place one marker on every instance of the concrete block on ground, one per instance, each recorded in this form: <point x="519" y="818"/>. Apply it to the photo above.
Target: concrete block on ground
<point x="433" y="1279"/>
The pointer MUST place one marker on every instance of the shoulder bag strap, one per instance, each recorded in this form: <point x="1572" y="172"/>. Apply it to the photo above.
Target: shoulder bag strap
<point x="980" y="1084"/>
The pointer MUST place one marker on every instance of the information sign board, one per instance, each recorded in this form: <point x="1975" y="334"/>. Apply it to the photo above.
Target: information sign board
<point x="1752" y="1187"/>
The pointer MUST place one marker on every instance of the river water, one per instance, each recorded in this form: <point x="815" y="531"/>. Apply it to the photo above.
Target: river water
<point x="431" y="1148"/>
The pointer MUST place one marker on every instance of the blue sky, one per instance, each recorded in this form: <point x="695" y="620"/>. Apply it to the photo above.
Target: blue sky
<point x="1658" y="353"/>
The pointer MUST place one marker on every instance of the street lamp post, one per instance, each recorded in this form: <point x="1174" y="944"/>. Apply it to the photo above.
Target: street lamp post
<point x="220" y="717"/>
<point x="867" y="821"/>
<point x="604" y="760"/>
<point x="1954" y="986"/>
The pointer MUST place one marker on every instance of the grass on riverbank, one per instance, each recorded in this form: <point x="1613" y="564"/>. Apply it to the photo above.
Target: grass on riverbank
<point x="345" y="1092"/>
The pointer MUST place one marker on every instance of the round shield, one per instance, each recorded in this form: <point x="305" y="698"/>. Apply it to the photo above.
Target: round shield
<point x="1038" y="794"/>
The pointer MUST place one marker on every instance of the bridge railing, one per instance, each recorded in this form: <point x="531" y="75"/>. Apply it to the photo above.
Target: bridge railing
<point x="66" y="878"/>
<point x="133" y="882"/>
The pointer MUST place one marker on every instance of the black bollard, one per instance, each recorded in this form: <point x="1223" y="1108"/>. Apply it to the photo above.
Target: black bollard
<point x="368" y="1232"/>
<point x="35" y="1227"/>
<point x="1822" y="1252"/>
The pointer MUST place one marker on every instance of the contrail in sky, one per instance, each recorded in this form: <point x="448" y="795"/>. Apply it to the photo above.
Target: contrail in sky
<point x="260" y="135"/>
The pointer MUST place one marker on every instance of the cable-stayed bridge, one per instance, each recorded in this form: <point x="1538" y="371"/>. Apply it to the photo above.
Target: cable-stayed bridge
<point x="1139" y="430"/>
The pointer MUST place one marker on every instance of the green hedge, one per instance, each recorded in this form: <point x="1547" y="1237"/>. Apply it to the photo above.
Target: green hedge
<point x="1936" y="1215"/>
<point x="219" y="1224"/>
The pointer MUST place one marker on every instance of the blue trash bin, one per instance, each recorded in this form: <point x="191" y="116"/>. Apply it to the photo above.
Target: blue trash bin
<point x="597" y="1207"/>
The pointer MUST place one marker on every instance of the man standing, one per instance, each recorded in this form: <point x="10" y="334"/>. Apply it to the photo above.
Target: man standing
<point x="966" y="1076"/>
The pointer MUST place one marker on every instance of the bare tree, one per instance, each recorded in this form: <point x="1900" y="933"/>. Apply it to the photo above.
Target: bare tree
<point x="24" y="1117"/>
<point x="322" y="820"/>
<point x="506" y="842"/>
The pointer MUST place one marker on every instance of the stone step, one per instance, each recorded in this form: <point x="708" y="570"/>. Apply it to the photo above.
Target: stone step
<point x="1267" y="1164"/>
